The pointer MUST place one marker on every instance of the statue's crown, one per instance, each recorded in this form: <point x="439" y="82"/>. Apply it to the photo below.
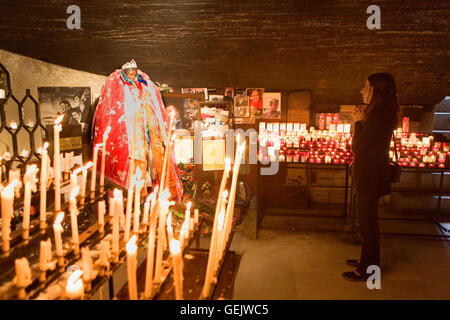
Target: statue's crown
<point x="130" y="65"/>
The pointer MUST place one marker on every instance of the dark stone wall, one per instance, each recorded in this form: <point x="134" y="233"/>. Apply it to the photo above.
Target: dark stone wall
<point x="321" y="46"/>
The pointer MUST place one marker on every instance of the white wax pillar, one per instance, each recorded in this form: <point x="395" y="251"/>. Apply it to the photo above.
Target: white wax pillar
<point x="56" y="162"/>
<point x="132" y="267"/>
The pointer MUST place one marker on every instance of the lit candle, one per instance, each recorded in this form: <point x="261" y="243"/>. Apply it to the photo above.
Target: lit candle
<point x="24" y="153"/>
<point x="213" y="247"/>
<point x="137" y="200"/>
<point x="57" y="229"/>
<point x="30" y="123"/>
<point x="29" y="180"/>
<point x="23" y="276"/>
<point x="43" y="186"/>
<point x="102" y="172"/>
<point x="13" y="125"/>
<point x="175" y="251"/>
<point x="149" y="199"/>
<point x="74" y="286"/>
<point x="163" y="201"/>
<point x="94" y="170"/>
<point x="131" y="268"/>
<point x="167" y="154"/>
<point x="101" y="216"/>
<point x="129" y="208"/>
<point x="7" y="213"/>
<point x="150" y="250"/>
<point x="117" y="209"/>
<point x="56" y="162"/>
<point x="73" y="219"/>
<point x="74" y="177"/>
<point x="84" y="181"/>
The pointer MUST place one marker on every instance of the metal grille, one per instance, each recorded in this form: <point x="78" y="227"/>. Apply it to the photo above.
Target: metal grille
<point x="13" y="158"/>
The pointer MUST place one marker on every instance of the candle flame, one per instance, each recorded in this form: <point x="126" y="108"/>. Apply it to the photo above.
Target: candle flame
<point x="74" y="193"/>
<point x="225" y="194"/>
<point x="74" y="277"/>
<point x="189" y="205"/>
<point x="172" y="115"/>
<point x="98" y="145"/>
<point x="174" y="135"/>
<point x="88" y="165"/>
<point x="131" y="245"/>
<point x="238" y="139"/>
<point x="59" y="218"/>
<point x="59" y="119"/>
<point x="165" y="195"/>
<point x="175" y="246"/>
<point x="31" y="169"/>
<point x="46" y="145"/>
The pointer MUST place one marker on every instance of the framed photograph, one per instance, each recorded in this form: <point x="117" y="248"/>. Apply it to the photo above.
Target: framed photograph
<point x="241" y="106"/>
<point x="255" y="96"/>
<point x="73" y="102"/>
<point x="271" y="105"/>
<point x="186" y="107"/>
<point x="5" y="87"/>
<point x="228" y="94"/>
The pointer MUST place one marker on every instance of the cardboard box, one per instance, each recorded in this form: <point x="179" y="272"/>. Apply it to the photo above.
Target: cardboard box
<point x="320" y="195"/>
<point x="327" y="177"/>
<point x="336" y="196"/>
<point x="295" y="176"/>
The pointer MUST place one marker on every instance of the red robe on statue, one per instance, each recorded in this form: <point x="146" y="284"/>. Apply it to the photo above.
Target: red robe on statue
<point x="134" y="108"/>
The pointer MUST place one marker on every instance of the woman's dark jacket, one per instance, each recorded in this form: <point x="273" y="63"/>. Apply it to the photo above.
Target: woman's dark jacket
<point x="370" y="147"/>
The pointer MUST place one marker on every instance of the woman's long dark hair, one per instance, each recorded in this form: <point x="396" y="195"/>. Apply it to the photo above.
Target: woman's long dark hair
<point x="384" y="96"/>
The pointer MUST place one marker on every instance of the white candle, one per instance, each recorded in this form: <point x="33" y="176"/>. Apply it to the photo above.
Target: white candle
<point x="131" y="268"/>
<point x="129" y="208"/>
<point x="163" y="201"/>
<point x="84" y="181"/>
<point x="29" y="180"/>
<point x="57" y="229"/>
<point x="88" y="268"/>
<point x="101" y="215"/>
<point x="74" y="286"/>
<point x="7" y="213"/>
<point x="137" y="200"/>
<point x="23" y="276"/>
<point x="94" y="170"/>
<point x="149" y="199"/>
<point x="169" y="227"/>
<point x="102" y="172"/>
<point x="175" y="251"/>
<point x="67" y="166"/>
<point x="43" y="185"/>
<point x="117" y="206"/>
<point x="56" y="162"/>
<point x="196" y="216"/>
<point x="74" y="177"/>
<point x="105" y="254"/>
<point x="45" y="256"/>
<point x="187" y="219"/>
<point x="167" y="154"/>
<point x="73" y="218"/>
<point x="150" y="251"/>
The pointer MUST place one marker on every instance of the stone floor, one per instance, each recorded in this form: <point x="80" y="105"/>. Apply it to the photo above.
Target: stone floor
<point x="290" y="265"/>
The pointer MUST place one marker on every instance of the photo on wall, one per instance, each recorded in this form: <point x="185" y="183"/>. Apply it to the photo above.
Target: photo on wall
<point x="186" y="108"/>
<point x="271" y="105"/>
<point x="255" y="96"/>
<point x="73" y="102"/>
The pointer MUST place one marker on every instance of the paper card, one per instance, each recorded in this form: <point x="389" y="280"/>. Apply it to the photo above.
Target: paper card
<point x="213" y="155"/>
<point x="262" y="126"/>
<point x="184" y="150"/>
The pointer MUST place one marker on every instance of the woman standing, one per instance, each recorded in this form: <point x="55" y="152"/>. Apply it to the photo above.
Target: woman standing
<point x="131" y="104"/>
<point x="373" y="131"/>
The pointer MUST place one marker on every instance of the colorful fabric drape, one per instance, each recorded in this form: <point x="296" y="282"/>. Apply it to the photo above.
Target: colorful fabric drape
<point x="134" y="108"/>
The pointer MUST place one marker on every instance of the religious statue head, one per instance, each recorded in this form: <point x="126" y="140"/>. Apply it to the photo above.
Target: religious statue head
<point x="130" y="69"/>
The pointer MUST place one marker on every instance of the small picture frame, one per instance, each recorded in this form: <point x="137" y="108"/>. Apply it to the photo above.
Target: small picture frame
<point x="241" y="106"/>
<point x="271" y="105"/>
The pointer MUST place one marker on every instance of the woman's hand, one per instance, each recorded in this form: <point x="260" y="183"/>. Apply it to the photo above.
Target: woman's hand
<point x="358" y="114"/>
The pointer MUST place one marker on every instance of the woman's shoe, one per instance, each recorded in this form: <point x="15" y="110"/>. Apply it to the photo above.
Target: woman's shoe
<point x="352" y="263"/>
<point x="353" y="276"/>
